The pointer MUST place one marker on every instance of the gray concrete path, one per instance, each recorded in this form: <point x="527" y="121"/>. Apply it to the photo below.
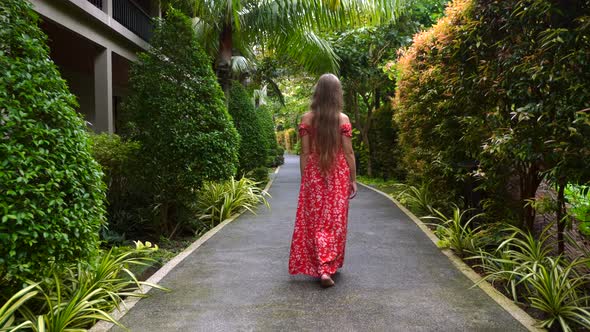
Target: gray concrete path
<point x="394" y="278"/>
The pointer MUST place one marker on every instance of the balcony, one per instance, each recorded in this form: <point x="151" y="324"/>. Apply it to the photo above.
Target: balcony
<point x="129" y="14"/>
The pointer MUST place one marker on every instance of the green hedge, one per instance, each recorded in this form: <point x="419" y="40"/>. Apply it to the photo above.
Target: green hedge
<point x="51" y="201"/>
<point x="503" y="85"/>
<point x="253" y="147"/>
<point x="264" y="114"/>
<point x="177" y="113"/>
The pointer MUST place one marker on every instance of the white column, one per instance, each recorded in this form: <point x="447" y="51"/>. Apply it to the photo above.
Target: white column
<point x="107" y="7"/>
<point x="103" y="92"/>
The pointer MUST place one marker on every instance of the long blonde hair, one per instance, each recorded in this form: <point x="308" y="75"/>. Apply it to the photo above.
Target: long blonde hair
<point x="326" y="105"/>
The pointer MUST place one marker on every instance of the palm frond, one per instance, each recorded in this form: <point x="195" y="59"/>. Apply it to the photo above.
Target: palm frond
<point x="240" y="64"/>
<point x="312" y="52"/>
<point x="208" y="35"/>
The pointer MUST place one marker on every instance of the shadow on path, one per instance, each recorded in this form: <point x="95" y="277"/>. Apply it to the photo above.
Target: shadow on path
<point x="394" y="278"/>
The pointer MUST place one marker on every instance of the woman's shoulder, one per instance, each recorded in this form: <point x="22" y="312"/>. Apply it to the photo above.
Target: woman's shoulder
<point x="344" y="119"/>
<point x="307" y="117"/>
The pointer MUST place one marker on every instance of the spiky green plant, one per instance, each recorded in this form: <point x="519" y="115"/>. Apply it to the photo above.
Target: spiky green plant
<point x="419" y="200"/>
<point x="558" y="291"/>
<point x="520" y="251"/>
<point x="218" y="201"/>
<point x="80" y="296"/>
<point x="456" y="232"/>
<point x="12" y="305"/>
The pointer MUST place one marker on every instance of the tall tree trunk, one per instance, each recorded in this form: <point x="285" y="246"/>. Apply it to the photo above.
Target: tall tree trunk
<point x="529" y="183"/>
<point x="362" y="128"/>
<point x="224" y="59"/>
<point x="560" y="214"/>
<point x="365" y="134"/>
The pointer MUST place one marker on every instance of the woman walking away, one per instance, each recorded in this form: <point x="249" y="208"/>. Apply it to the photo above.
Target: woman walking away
<point x="328" y="181"/>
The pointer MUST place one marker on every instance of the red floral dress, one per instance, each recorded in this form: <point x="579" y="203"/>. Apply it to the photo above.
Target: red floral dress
<point x="320" y="227"/>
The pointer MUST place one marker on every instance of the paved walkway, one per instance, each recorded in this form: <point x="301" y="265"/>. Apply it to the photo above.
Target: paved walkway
<point x="394" y="278"/>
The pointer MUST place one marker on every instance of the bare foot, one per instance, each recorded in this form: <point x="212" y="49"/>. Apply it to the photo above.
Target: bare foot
<point x="326" y="281"/>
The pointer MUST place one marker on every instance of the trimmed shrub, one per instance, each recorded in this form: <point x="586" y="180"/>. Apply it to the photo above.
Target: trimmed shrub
<point x="253" y="147"/>
<point x="268" y="128"/>
<point x="182" y="124"/>
<point x="52" y="192"/>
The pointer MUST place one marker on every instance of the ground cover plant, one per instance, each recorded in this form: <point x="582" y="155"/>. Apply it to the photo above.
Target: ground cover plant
<point x="78" y="296"/>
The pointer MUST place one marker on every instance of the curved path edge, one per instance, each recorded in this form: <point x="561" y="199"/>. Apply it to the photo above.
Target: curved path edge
<point x="130" y="302"/>
<point x="514" y="310"/>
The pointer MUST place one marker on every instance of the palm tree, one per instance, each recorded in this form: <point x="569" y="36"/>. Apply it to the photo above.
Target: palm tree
<point x="238" y="29"/>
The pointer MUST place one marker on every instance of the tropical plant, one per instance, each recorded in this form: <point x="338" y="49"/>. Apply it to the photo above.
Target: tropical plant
<point x="52" y="199"/>
<point x="520" y="251"/>
<point x="74" y="299"/>
<point x="287" y="28"/>
<point x="12" y="305"/>
<point x="456" y="232"/>
<point x="579" y="199"/>
<point x="219" y="201"/>
<point x="558" y="290"/>
<point x="182" y="124"/>
<point x="420" y="200"/>
<point x="497" y="265"/>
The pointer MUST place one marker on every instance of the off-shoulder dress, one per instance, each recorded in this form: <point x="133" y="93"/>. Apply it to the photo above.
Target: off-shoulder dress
<point x="319" y="237"/>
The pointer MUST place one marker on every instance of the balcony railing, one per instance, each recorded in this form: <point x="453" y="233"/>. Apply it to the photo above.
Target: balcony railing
<point x="97" y="3"/>
<point x="131" y="16"/>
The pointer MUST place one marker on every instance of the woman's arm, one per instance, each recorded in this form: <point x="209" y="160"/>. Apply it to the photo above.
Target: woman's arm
<point x="305" y="143"/>
<point x="305" y="150"/>
<point x="350" y="160"/>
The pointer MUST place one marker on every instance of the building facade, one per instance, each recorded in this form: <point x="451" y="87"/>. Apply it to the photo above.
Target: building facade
<point x="93" y="42"/>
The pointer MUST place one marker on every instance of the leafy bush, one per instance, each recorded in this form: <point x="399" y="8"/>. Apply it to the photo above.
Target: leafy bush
<point x="219" y="201"/>
<point x="119" y="161"/>
<point x="253" y="144"/>
<point x="259" y="175"/>
<point x="386" y="156"/>
<point x="52" y="192"/>
<point x="558" y="291"/>
<point x="280" y="157"/>
<point x="185" y="132"/>
<point x="489" y="77"/>
<point x="579" y="198"/>
<point x="79" y="296"/>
